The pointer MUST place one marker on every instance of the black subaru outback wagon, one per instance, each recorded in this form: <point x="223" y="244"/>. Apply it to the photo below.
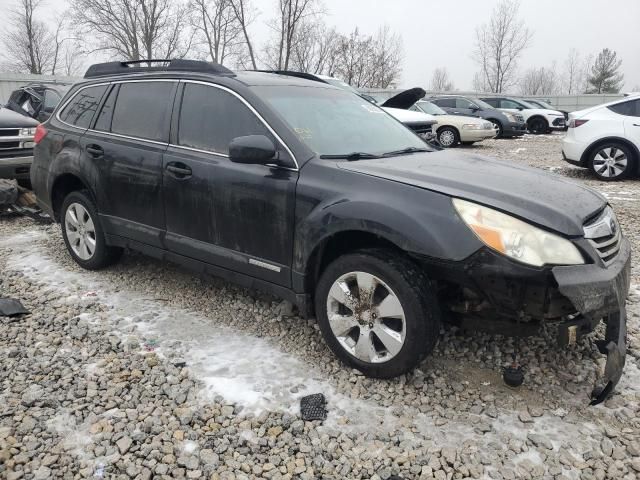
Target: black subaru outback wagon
<point x="316" y="195"/>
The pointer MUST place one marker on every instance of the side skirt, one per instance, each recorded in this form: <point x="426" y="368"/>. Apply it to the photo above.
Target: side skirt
<point x="301" y="300"/>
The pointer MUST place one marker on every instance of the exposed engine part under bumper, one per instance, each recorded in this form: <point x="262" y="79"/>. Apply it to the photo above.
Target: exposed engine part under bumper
<point x="597" y="292"/>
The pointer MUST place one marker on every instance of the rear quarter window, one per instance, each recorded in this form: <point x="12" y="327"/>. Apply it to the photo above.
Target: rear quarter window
<point x="629" y="109"/>
<point x="80" y="111"/>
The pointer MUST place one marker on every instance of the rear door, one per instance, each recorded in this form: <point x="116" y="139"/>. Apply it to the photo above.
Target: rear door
<point x="631" y="112"/>
<point x="236" y="216"/>
<point x="126" y="145"/>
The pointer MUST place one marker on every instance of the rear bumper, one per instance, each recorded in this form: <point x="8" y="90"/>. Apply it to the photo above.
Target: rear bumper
<point x="573" y="151"/>
<point x="16" y="167"/>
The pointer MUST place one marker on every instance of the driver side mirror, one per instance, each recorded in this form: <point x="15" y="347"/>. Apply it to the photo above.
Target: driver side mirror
<point x="252" y="149"/>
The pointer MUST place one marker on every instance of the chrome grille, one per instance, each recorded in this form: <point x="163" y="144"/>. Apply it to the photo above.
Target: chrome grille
<point x="605" y="235"/>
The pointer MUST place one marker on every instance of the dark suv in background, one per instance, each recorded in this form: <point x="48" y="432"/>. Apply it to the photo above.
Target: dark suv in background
<point x="316" y="195"/>
<point x="508" y="125"/>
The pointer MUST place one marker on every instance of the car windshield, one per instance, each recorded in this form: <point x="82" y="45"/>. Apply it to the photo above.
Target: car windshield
<point x="482" y="104"/>
<point x="430" y="108"/>
<point x="336" y="122"/>
<point x="524" y="104"/>
<point x="543" y="104"/>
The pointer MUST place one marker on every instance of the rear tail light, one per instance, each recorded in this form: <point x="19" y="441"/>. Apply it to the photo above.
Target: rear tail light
<point x="575" y="123"/>
<point x="41" y="132"/>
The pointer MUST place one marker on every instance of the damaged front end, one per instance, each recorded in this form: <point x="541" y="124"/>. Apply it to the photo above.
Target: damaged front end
<point x="600" y="293"/>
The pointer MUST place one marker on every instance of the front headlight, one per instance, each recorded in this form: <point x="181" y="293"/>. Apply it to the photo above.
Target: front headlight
<point x="515" y="238"/>
<point x="472" y="126"/>
<point x="27" y="132"/>
<point x="510" y="116"/>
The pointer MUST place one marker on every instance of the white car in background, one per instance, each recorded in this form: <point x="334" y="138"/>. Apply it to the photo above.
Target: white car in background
<point x="539" y="120"/>
<point x="606" y="139"/>
<point x="454" y="129"/>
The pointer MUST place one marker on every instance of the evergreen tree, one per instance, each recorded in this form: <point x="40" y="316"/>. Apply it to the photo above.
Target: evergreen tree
<point x="605" y="76"/>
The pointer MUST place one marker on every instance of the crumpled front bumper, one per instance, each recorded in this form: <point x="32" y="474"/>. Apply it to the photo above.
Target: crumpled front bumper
<point x="599" y="292"/>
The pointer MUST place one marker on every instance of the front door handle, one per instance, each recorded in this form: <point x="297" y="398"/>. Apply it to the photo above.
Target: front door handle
<point x="179" y="170"/>
<point x="95" y="151"/>
<point x="636" y="124"/>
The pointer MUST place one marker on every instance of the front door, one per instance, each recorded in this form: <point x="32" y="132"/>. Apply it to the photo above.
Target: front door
<point x="236" y="216"/>
<point x="126" y="145"/>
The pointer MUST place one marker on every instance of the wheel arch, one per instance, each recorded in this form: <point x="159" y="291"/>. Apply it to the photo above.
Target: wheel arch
<point x="62" y="186"/>
<point x="340" y="243"/>
<point x="590" y="149"/>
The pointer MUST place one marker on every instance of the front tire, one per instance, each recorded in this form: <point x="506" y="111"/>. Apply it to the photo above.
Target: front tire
<point x="611" y="161"/>
<point x="377" y="312"/>
<point x="498" y="128"/>
<point x="83" y="234"/>
<point x="448" y="137"/>
<point x="538" y="126"/>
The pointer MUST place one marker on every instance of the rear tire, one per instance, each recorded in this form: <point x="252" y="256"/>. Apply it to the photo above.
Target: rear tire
<point x="612" y="161"/>
<point x="83" y="234"/>
<point x="448" y="137"/>
<point x="385" y="316"/>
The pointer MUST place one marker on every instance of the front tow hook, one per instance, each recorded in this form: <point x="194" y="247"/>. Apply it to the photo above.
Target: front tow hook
<point x="614" y="346"/>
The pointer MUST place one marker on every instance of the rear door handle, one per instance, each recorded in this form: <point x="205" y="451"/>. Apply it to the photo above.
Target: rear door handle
<point x="95" y="151"/>
<point x="179" y="170"/>
<point x="636" y="124"/>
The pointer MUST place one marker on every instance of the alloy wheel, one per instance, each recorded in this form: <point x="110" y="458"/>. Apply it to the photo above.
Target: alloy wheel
<point x="81" y="232"/>
<point x="610" y="162"/>
<point x="366" y="317"/>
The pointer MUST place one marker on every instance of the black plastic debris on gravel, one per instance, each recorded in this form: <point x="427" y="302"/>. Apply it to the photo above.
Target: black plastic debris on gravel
<point x="10" y="307"/>
<point x="313" y="407"/>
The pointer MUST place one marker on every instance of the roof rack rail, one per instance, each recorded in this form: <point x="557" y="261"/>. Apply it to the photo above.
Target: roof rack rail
<point x="154" y="65"/>
<point x="293" y="73"/>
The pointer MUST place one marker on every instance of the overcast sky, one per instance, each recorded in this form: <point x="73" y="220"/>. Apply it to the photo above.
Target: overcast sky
<point x="441" y="34"/>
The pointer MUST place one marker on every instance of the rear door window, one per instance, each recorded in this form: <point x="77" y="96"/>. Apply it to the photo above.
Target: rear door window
<point x="83" y="106"/>
<point x="143" y="109"/>
<point x="211" y="117"/>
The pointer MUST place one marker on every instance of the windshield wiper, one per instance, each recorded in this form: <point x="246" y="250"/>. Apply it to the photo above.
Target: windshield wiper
<point x="351" y="156"/>
<point x="406" y="151"/>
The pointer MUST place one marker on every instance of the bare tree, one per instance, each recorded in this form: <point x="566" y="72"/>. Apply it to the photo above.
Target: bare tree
<point x="354" y="56"/>
<point x="314" y="48"/>
<point x="29" y="45"/>
<point x="479" y="83"/>
<point x="440" y="81"/>
<point x="500" y="43"/>
<point x="539" y="81"/>
<point x="218" y="28"/>
<point x="573" y="72"/>
<point x="244" y="16"/>
<point x="291" y="15"/>
<point x="135" y="29"/>
<point x="386" y="58"/>
<point x="605" y="75"/>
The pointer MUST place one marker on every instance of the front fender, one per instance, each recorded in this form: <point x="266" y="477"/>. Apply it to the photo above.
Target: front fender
<point x="416" y="220"/>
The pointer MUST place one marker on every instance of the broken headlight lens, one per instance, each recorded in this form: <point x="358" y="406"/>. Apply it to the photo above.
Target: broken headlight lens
<point x="515" y="238"/>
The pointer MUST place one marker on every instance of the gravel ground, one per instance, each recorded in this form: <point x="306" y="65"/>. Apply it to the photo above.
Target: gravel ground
<point x="148" y="371"/>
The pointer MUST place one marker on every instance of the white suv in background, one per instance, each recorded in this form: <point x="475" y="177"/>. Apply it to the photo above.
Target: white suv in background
<point x="539" y="120"/>
<point x="606" y="139"/>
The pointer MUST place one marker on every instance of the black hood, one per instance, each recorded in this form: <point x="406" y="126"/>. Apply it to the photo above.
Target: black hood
<point x="406" y="99"/>
<point x="11" y="119"/>
<point x="534" y="195"/>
